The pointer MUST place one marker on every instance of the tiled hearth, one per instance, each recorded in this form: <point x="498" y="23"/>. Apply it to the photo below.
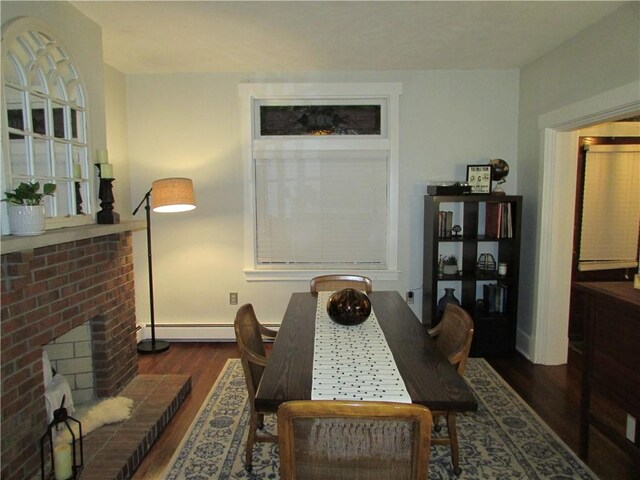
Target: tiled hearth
<point x="48" y="288"/>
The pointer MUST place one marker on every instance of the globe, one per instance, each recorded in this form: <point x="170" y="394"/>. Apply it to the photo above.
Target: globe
<point x="499" y="170"/>
<point x="349" y="307"/>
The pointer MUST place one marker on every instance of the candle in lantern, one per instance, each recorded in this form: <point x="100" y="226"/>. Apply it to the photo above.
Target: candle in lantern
<point x="106" y="170"/>
<point x="102" y="156"/>
<point x="62" y="462"/>
<point x="77" y="170"/>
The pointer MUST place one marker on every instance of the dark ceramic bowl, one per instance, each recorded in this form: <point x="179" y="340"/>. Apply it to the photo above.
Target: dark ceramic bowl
<point x="349" y="307"/>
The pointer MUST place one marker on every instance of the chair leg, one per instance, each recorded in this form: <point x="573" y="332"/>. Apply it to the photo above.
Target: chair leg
<point x="251" y="440"/>
<point x="453" y="440"/>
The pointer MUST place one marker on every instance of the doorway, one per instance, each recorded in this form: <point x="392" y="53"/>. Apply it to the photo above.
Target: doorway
<point x="559" y="131"/>
<point x="607" y="136"/>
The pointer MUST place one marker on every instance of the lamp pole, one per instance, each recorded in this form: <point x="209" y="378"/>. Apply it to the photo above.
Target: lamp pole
<point x="153" y="345"/>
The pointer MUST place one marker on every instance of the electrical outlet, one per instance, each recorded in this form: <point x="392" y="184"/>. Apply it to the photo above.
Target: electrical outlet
<point x="631" y="428"/>
<point x="233" y="298"/>
<point x="409" y="297"/>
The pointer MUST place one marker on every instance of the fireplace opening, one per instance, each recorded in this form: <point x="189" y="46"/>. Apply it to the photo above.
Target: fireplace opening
<point x="71" y="355"/>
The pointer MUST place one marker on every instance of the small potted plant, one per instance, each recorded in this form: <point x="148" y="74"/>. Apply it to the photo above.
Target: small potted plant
<point x="25" y="208"/>
<point x="450" y="265"/>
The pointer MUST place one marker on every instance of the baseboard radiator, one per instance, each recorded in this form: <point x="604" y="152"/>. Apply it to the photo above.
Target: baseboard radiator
<point x="199" y="332"/>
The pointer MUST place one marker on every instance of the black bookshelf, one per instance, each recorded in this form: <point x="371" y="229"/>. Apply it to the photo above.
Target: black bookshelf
<point x="495" y="331"/>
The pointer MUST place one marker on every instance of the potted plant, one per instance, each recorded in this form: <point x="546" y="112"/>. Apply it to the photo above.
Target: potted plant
<point x="25" y="208"/>
<point x="450" y="265"/>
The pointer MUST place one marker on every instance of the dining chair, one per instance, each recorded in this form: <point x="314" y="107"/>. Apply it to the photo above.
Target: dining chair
<point x="453" y="337"/>
<point x="249" y="335"/>
<point x="345" y="440"/>
<point x="325" y="283"/>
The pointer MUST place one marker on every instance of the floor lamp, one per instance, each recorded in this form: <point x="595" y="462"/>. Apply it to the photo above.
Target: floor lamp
<point x="169" y="195"/>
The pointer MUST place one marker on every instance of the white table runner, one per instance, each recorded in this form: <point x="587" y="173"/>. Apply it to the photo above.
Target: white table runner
<point x="353" y="362"/>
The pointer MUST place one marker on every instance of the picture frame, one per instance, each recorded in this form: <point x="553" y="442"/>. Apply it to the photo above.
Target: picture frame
<point x="479" y="178"/>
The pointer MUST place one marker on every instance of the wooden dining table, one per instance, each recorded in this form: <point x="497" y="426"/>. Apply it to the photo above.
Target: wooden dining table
<point x="428" y="376"/>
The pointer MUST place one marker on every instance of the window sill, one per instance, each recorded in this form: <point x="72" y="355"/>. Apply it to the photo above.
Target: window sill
<point x="253" y="275"/>
<point x="11" y="244"/>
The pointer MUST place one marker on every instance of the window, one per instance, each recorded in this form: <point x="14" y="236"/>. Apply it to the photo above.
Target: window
<point x="321" y="167"/>
<point x="611" y="208"/>
<point x="45" y="118"/>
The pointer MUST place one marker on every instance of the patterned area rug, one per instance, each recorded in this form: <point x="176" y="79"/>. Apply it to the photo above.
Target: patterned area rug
<point x="504" y="439"/>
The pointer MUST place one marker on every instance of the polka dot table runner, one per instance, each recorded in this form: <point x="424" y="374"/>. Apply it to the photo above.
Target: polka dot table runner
<point x="353" y="362"/>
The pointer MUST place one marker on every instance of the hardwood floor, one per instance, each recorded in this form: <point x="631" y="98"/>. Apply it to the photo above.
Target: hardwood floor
<point x="203" y="361"/>
<point x="553" y="392"/>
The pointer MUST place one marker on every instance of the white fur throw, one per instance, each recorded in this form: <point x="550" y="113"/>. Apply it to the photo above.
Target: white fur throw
<point x="110" y="410"/>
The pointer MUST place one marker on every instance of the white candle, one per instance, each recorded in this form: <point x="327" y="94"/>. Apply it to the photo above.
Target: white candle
<point x="62" y="462"/>
<point x="102" y="156"/>
<point x="77" y="170"/>
<point x="106" y="170"/>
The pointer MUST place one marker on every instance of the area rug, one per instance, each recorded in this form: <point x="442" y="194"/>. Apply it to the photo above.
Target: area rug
<point x="504" y="439"/>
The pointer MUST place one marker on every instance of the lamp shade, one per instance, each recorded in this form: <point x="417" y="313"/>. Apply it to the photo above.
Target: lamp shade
<point x="173" y="195"/>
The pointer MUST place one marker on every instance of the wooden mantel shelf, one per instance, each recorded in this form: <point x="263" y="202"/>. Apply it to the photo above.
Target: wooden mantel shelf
<point x="11" y="244"/>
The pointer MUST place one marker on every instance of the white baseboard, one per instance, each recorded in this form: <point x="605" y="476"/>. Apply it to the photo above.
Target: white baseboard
<point x="523" y="344"/>
<point x="193" y="333"/>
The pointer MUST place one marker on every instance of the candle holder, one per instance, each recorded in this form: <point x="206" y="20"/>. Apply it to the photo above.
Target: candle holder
<point x="78" y="198"/>
<point x="107" y="216"/>
<point x="63" y="460"/>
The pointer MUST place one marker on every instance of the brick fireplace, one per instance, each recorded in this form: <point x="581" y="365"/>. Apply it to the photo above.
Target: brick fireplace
<point x="46" y="292"/>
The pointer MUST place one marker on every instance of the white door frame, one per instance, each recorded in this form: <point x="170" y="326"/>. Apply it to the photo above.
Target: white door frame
<point x="559" y="157"/>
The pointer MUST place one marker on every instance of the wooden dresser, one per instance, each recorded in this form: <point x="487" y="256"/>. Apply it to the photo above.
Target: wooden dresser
<point x="612" y="358"/>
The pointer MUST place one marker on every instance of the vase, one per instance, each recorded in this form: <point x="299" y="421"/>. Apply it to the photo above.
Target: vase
<point x="26" y="220"/>
<point x="445" y="300"/>
<point x="349" y="307"/>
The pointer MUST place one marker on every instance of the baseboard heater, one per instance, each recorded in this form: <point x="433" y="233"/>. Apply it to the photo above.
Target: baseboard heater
<point x="198" y="332"/>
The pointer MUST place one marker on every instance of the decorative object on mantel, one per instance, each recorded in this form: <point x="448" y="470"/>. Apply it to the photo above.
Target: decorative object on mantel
<point x="349" y="306"/>
<point x="106" y="216"/>
<point x="25" y="209"/>
<point x="169" y="195"/>
<point x="63" y="460"/>
<point x="499" y="172"/>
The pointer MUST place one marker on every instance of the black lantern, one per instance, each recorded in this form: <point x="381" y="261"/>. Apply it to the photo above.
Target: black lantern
<point x="65" y="459"/>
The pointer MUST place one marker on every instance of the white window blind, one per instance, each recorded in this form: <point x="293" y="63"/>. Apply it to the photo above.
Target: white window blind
<point x="611" y="208"/>
<point x="322" y="208"/>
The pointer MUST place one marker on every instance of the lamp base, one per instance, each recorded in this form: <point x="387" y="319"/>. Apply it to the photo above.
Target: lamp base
<point x="150" y="346"/>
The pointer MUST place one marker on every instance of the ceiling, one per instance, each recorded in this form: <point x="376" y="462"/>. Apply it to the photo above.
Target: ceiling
<point x="272" y="36"/>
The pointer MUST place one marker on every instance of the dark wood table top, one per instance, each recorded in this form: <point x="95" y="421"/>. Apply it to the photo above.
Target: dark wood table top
<point x="429" y="377"/>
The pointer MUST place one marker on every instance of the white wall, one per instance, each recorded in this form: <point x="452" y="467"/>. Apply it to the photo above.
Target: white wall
<point x="188" y="125"/>
<point x="117" y="136"/>
<point x="598" y="60"/>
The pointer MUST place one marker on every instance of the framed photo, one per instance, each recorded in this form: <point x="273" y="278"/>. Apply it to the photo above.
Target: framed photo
<point x="479" y="178"/>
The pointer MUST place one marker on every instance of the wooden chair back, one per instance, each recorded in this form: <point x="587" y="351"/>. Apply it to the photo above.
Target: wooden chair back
<point x="252" y="352"/>
<point x="325" y="283"/>
<point x="344" y="440"/>
<point x="453" y="335"/>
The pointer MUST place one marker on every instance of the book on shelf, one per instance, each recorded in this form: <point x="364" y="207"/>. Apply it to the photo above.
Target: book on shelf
<point x="498" y="220"/>
<point x="445" y="223"/>
<point x="495" y="298"/>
